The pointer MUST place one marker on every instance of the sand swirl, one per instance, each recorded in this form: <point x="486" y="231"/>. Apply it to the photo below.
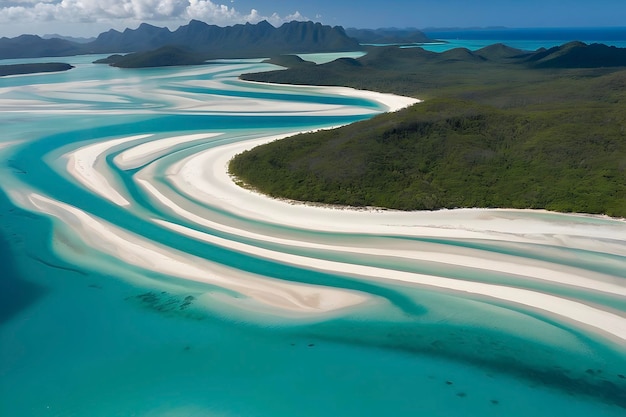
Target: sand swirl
<point x="183" y="176"/>
<point x="126" y="174"/>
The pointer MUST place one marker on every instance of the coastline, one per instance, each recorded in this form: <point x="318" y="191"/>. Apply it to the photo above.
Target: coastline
<point x="393" y="102"/>
<point x="484" y="224"/>
<point x="204" y="175"/>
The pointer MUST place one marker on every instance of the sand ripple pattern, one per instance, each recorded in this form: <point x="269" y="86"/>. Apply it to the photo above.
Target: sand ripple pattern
<point x="138" y="187"/>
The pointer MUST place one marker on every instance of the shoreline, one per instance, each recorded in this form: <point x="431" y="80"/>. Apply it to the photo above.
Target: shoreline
<point x="202" y="179"/>
<point x="214" y="186"/>
<point x="393" y="102"/>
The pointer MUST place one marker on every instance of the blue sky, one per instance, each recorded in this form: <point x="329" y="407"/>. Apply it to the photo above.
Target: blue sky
<point x="463" y="13"/>
<point x="90" y="17"/>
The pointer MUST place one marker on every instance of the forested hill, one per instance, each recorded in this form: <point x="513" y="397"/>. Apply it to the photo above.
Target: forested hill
<point x="496" y="129"/>
<point x="161" y="57"/>
<point x="415" y="71"/>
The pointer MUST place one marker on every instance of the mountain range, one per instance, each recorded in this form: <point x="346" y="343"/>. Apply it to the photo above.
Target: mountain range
<point x="238" y="41"/>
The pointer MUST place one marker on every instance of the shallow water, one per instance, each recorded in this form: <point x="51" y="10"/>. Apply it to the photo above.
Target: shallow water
<point x="89" y="329"/>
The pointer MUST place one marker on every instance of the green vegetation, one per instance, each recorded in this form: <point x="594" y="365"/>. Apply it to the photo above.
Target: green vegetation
<point x="162" y="57"/>
<point x="18" y="69"/>
<point x="496" y="130"/>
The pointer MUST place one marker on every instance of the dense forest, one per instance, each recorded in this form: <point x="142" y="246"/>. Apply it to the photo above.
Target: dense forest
<point x="498" y="128"/>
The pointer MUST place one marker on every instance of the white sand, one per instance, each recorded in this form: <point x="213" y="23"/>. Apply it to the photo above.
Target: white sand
<point x="572" y="310"/>
<point x="504" y="264"/>
<point x="391" y="101"/>
<point x="81" y="164"/>
<point x="452" y="223"/>
<point x="204" y="177"/>
<point x="147" y="152"/>
<point x="138" y="251"/>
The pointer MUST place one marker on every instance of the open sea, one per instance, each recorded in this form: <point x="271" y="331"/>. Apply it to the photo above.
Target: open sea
<point x="99" y="318"/>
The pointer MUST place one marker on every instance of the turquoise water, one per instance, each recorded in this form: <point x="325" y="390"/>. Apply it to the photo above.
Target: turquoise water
<point x="89" y="330"/>
<point x="529" y="39"/>
<point x="523" y="44"/>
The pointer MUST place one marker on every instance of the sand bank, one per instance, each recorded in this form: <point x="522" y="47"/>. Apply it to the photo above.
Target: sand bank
<point x="202" y="180"/>
<point x="205" y="177"/>
<point x="83" y="163"/>
<point x="501" y="263"/>
<point x="138" y="251"/>
<point x="147" y="152"/>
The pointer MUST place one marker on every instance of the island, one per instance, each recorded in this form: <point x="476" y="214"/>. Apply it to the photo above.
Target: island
<point x="19" y="69"/>
<point x="165" y="56"/>
<point x="499" y="127"/>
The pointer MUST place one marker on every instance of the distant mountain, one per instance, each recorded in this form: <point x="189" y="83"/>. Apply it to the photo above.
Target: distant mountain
<point x="578" y="55"/>
<point x="32" y="46"/>
<point x="144" y="38"/>
<point x="290" y="61"/>
<point x="570" y="55"/>
<point x="407" y="71"/>
<point x="499" y="52"/>
<point x="460" y="55"/>
<point x="238" y="41"/>
<point x="68" y="38"/>
<point x="388" y="36"/>
<point x="309" y="37"/>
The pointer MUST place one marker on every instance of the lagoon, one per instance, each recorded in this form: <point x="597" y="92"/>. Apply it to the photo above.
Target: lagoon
<point x="140" y="279"/>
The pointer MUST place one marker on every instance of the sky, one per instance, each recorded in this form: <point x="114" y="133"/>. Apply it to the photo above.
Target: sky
<point x="91" y="17"/>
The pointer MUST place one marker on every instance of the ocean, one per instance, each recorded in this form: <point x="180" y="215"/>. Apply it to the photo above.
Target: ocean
<point x="134" y="283"/>
<point x="529" y="39"/>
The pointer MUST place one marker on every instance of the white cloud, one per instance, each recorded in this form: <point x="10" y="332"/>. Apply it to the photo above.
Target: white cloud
<point x="295" y="16"/>
<point x="131" y="12"/>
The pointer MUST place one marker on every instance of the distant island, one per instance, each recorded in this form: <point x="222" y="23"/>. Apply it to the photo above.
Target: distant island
<point x="389" y="36"/>
<point x="19" y="69"/>
<point x="499" y="127"/>
<point x="162" y="57"/>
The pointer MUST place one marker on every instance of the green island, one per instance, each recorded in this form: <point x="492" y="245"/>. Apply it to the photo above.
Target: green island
<point x="20" y="69"/>
<point x="498" y="127"/>
<point x="161" y="57"/>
